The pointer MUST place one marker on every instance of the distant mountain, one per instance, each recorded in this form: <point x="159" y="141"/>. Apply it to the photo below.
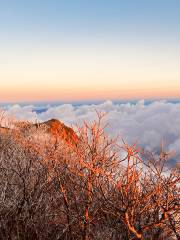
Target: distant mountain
<point x="53" y="127"/>
<point x="59" y="130"/>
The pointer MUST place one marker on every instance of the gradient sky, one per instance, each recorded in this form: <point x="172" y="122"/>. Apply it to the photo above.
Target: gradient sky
<point x="89" y="49"/>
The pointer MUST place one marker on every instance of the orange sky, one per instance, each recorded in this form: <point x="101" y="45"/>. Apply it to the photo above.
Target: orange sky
<point x="88" y="72"/>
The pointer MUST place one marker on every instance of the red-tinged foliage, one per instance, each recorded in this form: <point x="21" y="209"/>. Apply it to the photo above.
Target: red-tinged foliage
<point x="57" y="188"/>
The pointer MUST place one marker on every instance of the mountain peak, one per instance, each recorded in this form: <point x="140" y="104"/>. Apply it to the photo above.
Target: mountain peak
<point x="54" y="127"/>
<point x="60" y="130"/>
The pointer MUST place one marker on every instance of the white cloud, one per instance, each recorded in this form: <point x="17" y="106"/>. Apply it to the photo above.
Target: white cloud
<point x="148" y="124"/>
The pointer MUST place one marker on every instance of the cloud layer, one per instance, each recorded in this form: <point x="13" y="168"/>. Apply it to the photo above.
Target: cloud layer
<point x="148" y="124"/>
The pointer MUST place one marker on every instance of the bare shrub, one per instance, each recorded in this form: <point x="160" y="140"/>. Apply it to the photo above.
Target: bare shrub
<point x="52" y="190"/>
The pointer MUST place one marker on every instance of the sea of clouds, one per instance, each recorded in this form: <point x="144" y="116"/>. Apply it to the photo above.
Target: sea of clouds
<point x="146" y="124"/>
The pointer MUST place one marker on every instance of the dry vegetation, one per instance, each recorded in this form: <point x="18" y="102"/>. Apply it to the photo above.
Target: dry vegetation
<point x="93" y="190"/>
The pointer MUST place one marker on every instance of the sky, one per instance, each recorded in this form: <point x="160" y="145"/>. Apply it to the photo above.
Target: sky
<point x="89" y="49"/>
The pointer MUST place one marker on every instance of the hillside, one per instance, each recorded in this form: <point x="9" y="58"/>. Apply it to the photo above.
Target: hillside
<point x="83" y="186"/>
<point x="53" y="127"/>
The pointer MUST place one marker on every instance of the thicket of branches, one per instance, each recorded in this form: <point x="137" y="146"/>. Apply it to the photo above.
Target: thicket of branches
<point x="95" y="190"/>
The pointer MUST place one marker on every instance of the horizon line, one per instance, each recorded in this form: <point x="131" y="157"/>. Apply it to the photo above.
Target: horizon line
<point x="89" y="101"/>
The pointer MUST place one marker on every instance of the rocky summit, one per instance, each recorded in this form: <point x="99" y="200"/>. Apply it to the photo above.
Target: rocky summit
<point x="53" y="127"/>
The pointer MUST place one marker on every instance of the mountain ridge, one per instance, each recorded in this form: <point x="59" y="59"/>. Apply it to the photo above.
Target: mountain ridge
<point x="53" y="127"/>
